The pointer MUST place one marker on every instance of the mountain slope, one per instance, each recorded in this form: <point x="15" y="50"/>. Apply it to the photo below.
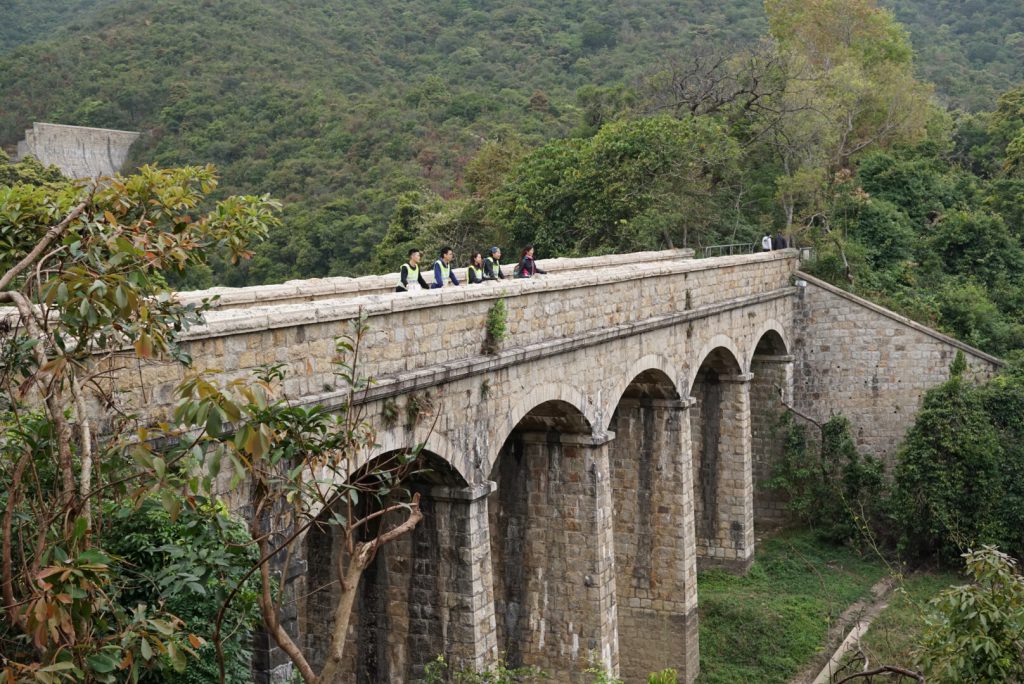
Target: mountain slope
<point x="339" y="106"/>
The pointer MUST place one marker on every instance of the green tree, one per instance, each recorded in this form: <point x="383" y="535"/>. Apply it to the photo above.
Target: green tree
<point x="975" y="631"/>
<point x="85" y="270"/>
<point x="611" y="192"/>
<point x="948" y="476"/>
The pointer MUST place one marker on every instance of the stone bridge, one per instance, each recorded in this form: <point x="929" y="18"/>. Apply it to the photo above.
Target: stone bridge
<point x="616" y="443"/>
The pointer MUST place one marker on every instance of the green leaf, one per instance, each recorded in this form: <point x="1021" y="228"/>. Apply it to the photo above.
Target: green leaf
<point x="101" y="663"/>
<point x="145" y="649"/>
<point x="171" y="503"/>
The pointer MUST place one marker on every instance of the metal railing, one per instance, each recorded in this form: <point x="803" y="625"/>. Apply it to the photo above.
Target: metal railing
<point x="734" y="248"/>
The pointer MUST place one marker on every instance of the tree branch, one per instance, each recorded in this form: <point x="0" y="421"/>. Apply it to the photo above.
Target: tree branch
<point x="51" y="235"/>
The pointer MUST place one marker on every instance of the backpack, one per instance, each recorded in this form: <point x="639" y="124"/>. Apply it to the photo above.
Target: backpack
<point x="517" y="272"/>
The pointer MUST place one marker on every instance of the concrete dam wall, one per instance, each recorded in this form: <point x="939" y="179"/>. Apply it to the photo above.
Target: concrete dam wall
<point x="79" y="152"/>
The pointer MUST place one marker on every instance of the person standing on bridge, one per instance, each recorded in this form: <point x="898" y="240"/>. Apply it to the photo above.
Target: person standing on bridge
<point x="475" y="270"/>
<point x="410" y="272"/>
<point x="443" y="273"/>
<point x="527" y="267"/>
<point x="492" y="265"/>
<point x="766" y="242"/>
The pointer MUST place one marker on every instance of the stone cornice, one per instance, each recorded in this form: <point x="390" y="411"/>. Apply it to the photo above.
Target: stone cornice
<point x="316" y="289"/>
<point x="431" y="376"/>
<point x="902" y="320"/>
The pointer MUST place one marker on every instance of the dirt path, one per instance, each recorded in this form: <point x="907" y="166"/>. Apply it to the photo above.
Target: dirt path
<point x="845" y="634"/>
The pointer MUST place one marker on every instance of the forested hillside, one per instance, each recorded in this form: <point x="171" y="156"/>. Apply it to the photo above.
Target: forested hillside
<point x="26" y="21"/>
<point x="339" y="107"/>
<point x="582" y="127"/>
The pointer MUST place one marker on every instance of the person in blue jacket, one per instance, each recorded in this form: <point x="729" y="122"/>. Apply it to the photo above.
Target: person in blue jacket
<point x="443" y="273"/>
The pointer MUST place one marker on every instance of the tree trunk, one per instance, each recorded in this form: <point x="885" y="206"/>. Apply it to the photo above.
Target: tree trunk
<point x="361" y="559"/>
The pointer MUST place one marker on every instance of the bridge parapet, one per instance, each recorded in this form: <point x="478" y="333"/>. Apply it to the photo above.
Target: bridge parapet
<point x="315" y="289"/>
<point x="427" y="337"/>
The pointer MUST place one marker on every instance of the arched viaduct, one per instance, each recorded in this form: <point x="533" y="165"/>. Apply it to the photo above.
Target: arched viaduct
<point x="607" y="451"/>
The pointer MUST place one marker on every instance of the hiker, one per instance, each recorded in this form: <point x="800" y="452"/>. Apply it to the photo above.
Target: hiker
<point x="475" y="270"/>
<point x="443" y="272"/>
<point x="492" y="265"/>
<point x="778" y="242"/>
<point x="527" y="267"/>
<point x="766" y="242"/>
<point x="410" y="272"/>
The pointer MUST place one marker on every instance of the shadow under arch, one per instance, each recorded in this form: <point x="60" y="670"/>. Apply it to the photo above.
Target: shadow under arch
<point x="720" y="445"/>
<point x="551" y="589"/>
<point x="771" y="390"/>
<point x="401" y="607"/>
<point x="771" y="339"/>
<point x="532" y="399"/>
<point x="655" y="549"/>
<point x="650" y="362"/>
<point x="719" y="353"/>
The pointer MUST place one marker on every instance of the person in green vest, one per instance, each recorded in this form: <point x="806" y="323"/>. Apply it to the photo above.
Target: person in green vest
<point x="492" y="265"/>
<point x="475" y="270"/>
<point x="443" y="273"/>
<point x="410" y="272"/>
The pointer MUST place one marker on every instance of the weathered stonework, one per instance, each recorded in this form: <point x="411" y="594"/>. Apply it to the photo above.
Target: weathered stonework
<point x="78" y="151"/>
<point x="772" y="382"/>
<point x="623" y="433"/>
<point x="869" y="364"/>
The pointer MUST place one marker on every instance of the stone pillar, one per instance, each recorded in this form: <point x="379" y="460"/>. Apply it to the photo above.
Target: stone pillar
<point x="553" y="545"/>
<point x="725" y="530"/>
<point x="656" y="558"/>
<point x="466" y="585"/>
<point x="772" y="385"/>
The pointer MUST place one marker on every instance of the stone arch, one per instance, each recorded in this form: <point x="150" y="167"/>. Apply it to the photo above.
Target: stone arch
<point x="652" y="510"/>
<point x="548" y="520"/>
<point x="401" y="606"/>
<point x="775" y="334"/>
<point x="716" y="345"/>
<point x="771" y="389"/>
<point x="434" y="444"/>
<point x="533" y="398"/>
<point x="650" y="362"/>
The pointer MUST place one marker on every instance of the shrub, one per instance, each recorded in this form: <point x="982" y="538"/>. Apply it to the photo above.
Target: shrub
<point x="975" y="632"/>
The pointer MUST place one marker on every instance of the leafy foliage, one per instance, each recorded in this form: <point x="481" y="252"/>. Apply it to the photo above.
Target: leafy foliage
<point x="957" y="482"/>
<point x="188" y="564"/>
<point x="496" y="326"/>
<point x="85" y="270"/>
<point x="830" y="487"/>
<point x="975" y="632"/>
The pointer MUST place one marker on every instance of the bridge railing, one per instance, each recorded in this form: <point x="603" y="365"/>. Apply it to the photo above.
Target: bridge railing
<point x="731" y="249"/>
<point x="313" y="289"/>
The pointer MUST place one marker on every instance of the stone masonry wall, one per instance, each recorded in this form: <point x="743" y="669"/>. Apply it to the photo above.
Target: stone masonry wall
<point x="416" y="337"/>
<point x="78" y="151"/>
<point x="655" y="559"/>
<point x="869" y="364"/>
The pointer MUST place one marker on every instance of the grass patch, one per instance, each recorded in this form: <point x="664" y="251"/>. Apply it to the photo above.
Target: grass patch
<point x="891" y="636"/>
<point x="765" y="626"/>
